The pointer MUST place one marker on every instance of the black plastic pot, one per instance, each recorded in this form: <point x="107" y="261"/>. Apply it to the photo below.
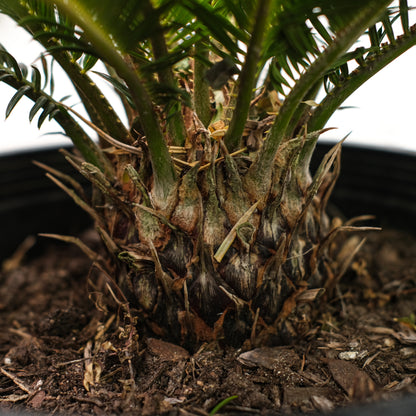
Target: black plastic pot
<point x="30" y="203"/>
<point x="374" y="182"/>
<point x="401" y="407"/>
<point x="377" y="182"/>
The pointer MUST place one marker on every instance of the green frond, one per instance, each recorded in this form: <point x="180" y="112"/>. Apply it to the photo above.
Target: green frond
<point x="118" y="86"/>
<point x="49" y="107"/>
<point x="247" y="78"/>
<point x="366" y="15"/>
<point x="342" y="88"/>
<point x="109" y="45"/>
<point x="68" y="47"/>
<point x="362" y="63"/>
<point x="216" y="25"/>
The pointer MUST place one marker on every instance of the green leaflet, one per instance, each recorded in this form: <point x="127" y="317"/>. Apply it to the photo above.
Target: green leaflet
<point x="9" y="60"/>
<point x="36" y="78"/>
<point x="40" y="102"/>
<point x="46" y="112"/>
<point x="16" y="98"/>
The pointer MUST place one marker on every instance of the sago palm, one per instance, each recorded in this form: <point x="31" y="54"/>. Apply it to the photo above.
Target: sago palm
<point x="214" y="226"/>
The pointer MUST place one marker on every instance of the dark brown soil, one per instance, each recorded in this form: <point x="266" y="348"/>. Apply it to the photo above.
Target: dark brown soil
<point x="60" y="354"/>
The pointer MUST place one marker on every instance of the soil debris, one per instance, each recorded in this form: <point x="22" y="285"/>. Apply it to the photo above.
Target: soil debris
<point x="60" y="354"/>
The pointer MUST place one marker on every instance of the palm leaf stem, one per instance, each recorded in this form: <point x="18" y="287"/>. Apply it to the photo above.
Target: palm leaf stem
<point x="176" y="125"/>
<point x="103" y="134"/>
<point x="359" y="76"/>
<point x="302" y="112"/>
<point x="260" y="172"/>
<point x="163" y="169"/>
<point x="247" y="77"/>
<point x="94" y="101"/>
<point x="404" y="15"/>
<point x="131" y="112"/>
<point x="201" y="87"/>
<point x="96" y="104"/>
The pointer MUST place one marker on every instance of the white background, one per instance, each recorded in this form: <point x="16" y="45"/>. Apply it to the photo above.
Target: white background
<point x="384" y="113"/>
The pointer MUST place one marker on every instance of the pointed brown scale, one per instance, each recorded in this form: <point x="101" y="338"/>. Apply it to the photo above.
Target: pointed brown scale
<point x="275" y="288"/>
<point x="237" y="325"/>
<point x="166" y="315"/>
<point x="206" y="297"/>
<point x="122" y="229"/>
<point x="205" y="294"/>
<point x="235" y="203"/>
<point x="148" y="226"/>
<point x="272" y="285"/>
<point x="284" y="164"/>
<point x="145" y="287"/>
<point x="323" y="225"/>
<point x="290" y="303"/>
<point x="302" y="245"/>
<point x="300" y="200"/>
<point x="194" y="329"/>
<point x="240" y="273"/>
<point x="323" y="179"/>
<point x="327" y="187"/>
<point x="317" y="276"/>
<point x="153" y="291"/>
<point x="294" y="266"/>
<point x="177" y="253"/>
<point x="311" y="224"/>
<point x="320" y="250"/>
<point x="215" y="221"/>
<point x="272" y="226"/>
<point x="187" y="212"/>
<point x="291" y="205"/>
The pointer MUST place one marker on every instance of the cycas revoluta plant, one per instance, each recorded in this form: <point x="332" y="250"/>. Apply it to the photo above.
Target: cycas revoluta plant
<point x="213" y="224"/>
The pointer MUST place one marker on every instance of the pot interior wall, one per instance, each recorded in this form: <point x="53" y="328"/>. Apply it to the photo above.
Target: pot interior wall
<point x="30" y="203"/>
<point x="376" y="182"/>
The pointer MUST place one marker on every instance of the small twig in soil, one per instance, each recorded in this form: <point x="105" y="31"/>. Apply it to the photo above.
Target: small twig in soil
<point x="243" y="409"/>
<point x="64" y="364"/>
<point x="17" y="381"/>
<point x="155" y="377"/>
<point x="197" y="411"/>
<point x="13" y="398"/>
<point x="16" y="259"/>
<point x="302" y="367"/>
<point x="91" y="400"/>
<point x="370" y="359"/>
<point x="6" y="390"/>
<point x="341" y="299"/>
<point x="21" y="333"/>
